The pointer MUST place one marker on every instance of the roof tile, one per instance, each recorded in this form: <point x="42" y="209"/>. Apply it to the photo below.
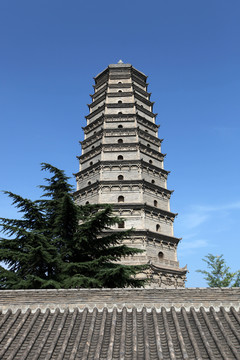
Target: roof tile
<point x="121" y="332"/>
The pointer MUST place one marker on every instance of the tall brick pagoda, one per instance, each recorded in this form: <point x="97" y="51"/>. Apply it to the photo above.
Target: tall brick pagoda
<point x="122" y="164"/>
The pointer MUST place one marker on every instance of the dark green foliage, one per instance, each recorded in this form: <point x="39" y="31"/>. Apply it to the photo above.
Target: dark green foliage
<point x="58" y="244"/>
<point x="219" y="274"/>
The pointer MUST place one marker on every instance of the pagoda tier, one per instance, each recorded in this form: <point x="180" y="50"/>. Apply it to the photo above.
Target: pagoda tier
<point x="122" y="164"/>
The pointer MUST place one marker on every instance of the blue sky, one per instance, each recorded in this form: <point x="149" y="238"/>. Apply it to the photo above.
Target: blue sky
<point x="49" y="53"/>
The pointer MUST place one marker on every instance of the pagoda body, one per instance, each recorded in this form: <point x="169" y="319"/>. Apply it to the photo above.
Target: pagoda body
<point x="122" y="165"/>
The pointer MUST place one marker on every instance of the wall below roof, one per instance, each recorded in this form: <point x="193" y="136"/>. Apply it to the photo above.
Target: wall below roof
<point x="72" y="298"/>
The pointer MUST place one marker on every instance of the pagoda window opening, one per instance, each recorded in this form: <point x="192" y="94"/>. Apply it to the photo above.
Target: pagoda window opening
<point x="93" y="147"/>
<point x="119" y="113"/>
<point x="89" y="183"/>
<point x="119" y="82"/>
<point x="121" y="225"/>
<point x="119" y="101"/>
<point x="150" y="162"/>
<point x="91" y="163"/>
<point x="121" y="198"/>
<point x="120" y="177"/>
<point x="120" y="157"/>
<point x="157" y="227"/>
<point x="160" y="255"/>
<point x="148" y="145"/>
<point x="146" y="131"/>
<point x="153" y="181"/>
<point x="120" y="126"/>
<point x="87" y="202"/>
<point x="120" y="141"/>
<point x="119" y="91"/>
<point x="155" y="203"/>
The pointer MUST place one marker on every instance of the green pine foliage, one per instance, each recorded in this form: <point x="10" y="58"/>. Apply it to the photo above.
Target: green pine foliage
<point x="57" y="244"/>
<point x="219" y="274"/>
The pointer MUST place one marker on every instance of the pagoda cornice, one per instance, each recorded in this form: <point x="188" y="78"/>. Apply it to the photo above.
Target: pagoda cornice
<point x="99" y="92"/>
<point x="139" y="74"/>
<point x="120" y="106"/>
<point x="139" y="81"/>
<point x="144" y="183"/>
<point x="125" y="184"/>
<point x="92" y="187"/>
<point x="91" y="139"/>
<point x="102" y="73"/>
<point x="157" y="187"/>
<point x="123" y="67"/>
<point x="121" y="147"/>
<point x="152" y="236"/>
<point x="158" y="236"/>
<point x="147" y="112"/>
<point x="149" y="137"/>
<point x="123" y="118"/>
<point x="120" y="94"/>
<point x="149" y="124"/>
<point x="119" y="130"/>
<point x="143" y="99"/>
<point x="120" y="86"/>
<point x="154" y="168"/>
<point x="168" y="270"/>
<point x="100" y="82"/>
<point x="152" y="210"/>
<point x="90" y="168"/>
<point x="94" y="103"/>
<point x="95" y="112"/>
<point x="147" y="208"/>
<point x="113" y="163"/>
<point x="117" y="76"/>
<point x="140" y="90"/>
<point x="119" y="117"/>
<point x="151" y="152"/>
<point x="115" y="132"/>
<point x="134" y="146"/>
<point x="94" y="124"/>
<point x="120" y="71"/>
<point x="134" y="182"/>
<point x="90" y="154"/>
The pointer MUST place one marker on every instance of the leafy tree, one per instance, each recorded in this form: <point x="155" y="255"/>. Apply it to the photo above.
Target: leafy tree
<point x="57" y="244"/>
<point x="219" y="274"/>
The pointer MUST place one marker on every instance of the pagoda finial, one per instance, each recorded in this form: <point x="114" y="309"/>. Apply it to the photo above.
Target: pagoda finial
<point x="120" y="62"/>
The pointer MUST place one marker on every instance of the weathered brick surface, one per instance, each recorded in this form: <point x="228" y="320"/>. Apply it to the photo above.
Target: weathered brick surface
<point x="120" y="324"/>
<point x="121" y="131"/>
<point x="195" y="297"/>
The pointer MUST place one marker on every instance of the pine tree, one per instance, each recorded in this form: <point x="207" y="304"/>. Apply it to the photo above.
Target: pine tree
<point x="219" y="274"/>
<point x="58" y="244"/>
<point x="29" y="254"/>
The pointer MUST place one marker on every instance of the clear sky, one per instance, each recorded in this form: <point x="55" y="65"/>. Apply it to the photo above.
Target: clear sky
<point x="51" y="49"/>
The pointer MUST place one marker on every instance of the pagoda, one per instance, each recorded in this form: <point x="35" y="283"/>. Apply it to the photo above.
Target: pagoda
<point x="122" y="164"/>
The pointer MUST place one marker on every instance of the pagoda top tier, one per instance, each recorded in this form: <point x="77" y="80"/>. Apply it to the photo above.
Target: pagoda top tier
<point x="122" y="66"/>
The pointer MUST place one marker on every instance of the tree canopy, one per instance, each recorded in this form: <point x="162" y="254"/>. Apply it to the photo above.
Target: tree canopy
<point x="58" y="244"/>
<point x="219" y="274"/>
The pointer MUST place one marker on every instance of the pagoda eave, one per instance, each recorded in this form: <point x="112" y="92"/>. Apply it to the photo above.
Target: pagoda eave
<point x="168" y="269"/>
<point x="124" y="163"/>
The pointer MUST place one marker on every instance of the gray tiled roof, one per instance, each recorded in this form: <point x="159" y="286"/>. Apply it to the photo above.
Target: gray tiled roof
<point x="120" y="324"/>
